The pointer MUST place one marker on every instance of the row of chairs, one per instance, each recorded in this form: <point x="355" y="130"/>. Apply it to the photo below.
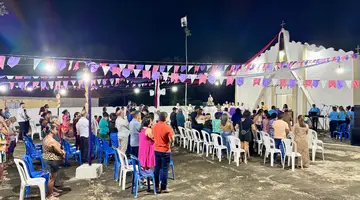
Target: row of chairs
<point x="211" y="143"/>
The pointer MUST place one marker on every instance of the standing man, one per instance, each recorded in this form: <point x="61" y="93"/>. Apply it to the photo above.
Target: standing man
<point x="281" y="129"/>
<point x="314" y="112"/>
<point x="135" y="126"/>
<point x="173" y="121"/>
<point x="163" y="137"/>
<point x="82" y="127"/>
<point x="22" y="119"/>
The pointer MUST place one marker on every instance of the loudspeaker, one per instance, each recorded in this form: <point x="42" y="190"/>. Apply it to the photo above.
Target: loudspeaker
<point x="355" y="136"/>
<point x="357" y="116"/>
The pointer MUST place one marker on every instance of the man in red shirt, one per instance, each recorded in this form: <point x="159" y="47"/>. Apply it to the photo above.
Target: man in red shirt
<point x="163" y="137"/>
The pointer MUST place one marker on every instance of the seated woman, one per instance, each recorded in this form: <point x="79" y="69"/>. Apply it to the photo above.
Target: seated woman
<point x="216" y="124"/>
<point x="208" y="123"/>
<point x="227" y="129"/>
<point x="52" y="155"/>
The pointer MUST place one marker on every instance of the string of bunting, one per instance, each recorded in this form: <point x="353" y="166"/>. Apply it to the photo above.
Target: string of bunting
<point x="175" y="78"/>
<point x="127" y="69"/>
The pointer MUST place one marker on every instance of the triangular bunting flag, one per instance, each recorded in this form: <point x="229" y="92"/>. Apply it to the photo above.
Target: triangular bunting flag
<point x="112" y="81"/>
<point x="2" y="62"/>
<point x="169" y="67"/>
<point x="36" y="62"/>
<point x="13" y="61"/>
<point x="300" y="83"/>
<point x="256" y="81"/>
<point x="35" y="84"/>
<point x="221" y="80"/>
<point x="105" y="68"/>
<point x="165" y="75"/>
<point x="348" y="83"/>
<point x="51" y="84"/>
<point x="192" y="77"/>
<point x="131" y="67"/>
<point x="73" y="82"/>
<point x="146" y="74"/>
<point x="98" y="81"/>
<point x="70" y="64"/>
<point x="9" y="77"/>
<point x="202" y="78"/>
<point x="147" y="67"/>
<point x="174" y="77"/>
<point x="136" y="72"/>
<point x="208" y="67"/>
<point x="190" y="67"/>
<point x="197" y="67"/>
<point x="274" y="81"/>
<point x="229" y="81"/>
<point x="76" y="66"/>
<point x="323" y="83"/>
<point x="65" y="84"/>
<point x="12" y="85"/>
<point x="122" y="66"/>
<point x="332" y="83"/>
<point x="176" y="69"/>
<point x="116" y="70"/>
<point x="27" y="83"/>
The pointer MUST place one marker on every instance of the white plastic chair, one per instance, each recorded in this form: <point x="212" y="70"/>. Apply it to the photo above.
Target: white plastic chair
<point x="207" y="143"/>
<point x="35" y="130"/>
<point x="235" y="148"/>
<point x="291" y="152"/>
<point x="259" y="140"/>
<point x="26" y="180"/>
<point x="315" y="144"/>
<point x="190" y="140"/>
<point x="124" y="168"/>
<point x="188" y="124"/>
<point x="183" y="137"/>
<point x="270" y="149"/>
<point x="197" y="141"/>
<point x="218" y="147"/>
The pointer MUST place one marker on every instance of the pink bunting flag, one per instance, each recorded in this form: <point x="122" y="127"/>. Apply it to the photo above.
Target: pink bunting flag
<point x="57" y="85"/>
<point x="2" y="62"/>
<point x="196" y="69"/>
<point x="116" y="70"/>
<point x="76" y="67"/>
<point x="202" y="78"/>
<point x="332" y="83"/>
<point x="155" y="68"/>
<point x="176" y="68"/>
<point x="18" y="77"/>
<point x="35" y="84"/>
<point x="283" y="82"/>
<point x="229" y="81"/>
<point x="131" y="67"/>
<point x="117" y="81"/>
<point x="355" y="83"/>
<point x="12" y="85"/>
<point x="308" y="83"/>
<point x="214" y="68"/>
<point x="146" y="74"/>
<point x="174" y="77"/>
<point x="256" y="81"/>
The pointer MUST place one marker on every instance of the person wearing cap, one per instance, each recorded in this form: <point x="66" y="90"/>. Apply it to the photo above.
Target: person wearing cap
<point x="66" y="122"/>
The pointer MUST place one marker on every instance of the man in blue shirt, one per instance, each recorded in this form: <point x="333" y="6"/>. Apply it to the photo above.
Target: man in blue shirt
<point x="334" y="117"/>
<point x="273" y="110"/>
<point x="313" y="113"/>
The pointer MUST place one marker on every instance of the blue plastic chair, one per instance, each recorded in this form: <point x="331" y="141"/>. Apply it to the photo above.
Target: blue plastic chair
<point x="33" y="153"/>
<point x="117" y="165"/>
<point x="341" y="131"/>
<point x="38" y="147"/>
<point x="98" y="149"/>
<point x="114" y="140"/>
<point x="93" y="139"/>
<point x="71" y="152"/>
<point x="108" y="151"/>
<point x="139" y="174"/>
<point x="34" y="174"/>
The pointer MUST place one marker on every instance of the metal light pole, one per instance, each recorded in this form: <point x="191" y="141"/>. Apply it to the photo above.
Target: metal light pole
<point x="187" y="34"/>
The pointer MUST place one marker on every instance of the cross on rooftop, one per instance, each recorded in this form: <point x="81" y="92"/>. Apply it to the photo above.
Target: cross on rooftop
<point x="282" y="24"/>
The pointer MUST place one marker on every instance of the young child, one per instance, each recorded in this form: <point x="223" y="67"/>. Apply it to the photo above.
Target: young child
<point x="13" y="133"/>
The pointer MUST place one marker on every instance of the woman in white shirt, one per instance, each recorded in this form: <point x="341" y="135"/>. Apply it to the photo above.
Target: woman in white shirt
<point x="122" y="125"/>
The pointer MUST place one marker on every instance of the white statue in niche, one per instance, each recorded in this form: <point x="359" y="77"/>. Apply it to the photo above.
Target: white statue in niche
<point x="210" y="101"/>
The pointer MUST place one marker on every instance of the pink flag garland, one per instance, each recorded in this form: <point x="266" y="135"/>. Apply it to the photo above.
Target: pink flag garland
<point x="146" y="74"/>
<point x="230" y="81"/>
<point x="11" y="85"/>
<point x="196" y="69"/>
<point x="308" y="83"/>
<point x="35" y="84"/>
<point x="283" y="82"/>
<point x="155" y="68"/>
<point x="202" y="78"/>
<point x="174" y="77"/>
<point x="116" y="70"/>
<point x="332" y="83"/>
<point x="2" y="62"/>
<point x="176" y="68"/>
<point x="256" y="81"/>
<point x="355" y="83"/>
<point x="76" y="67"/>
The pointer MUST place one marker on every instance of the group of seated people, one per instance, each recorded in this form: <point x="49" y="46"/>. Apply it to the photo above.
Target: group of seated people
<point x="340" y="117"/>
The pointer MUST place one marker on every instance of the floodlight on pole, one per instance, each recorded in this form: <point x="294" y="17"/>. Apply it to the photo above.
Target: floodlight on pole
<point x="174" y="89"/>
<point x="62" y="92"/>
<point x="233" y="73"/>
<point x="136" y="90"/>
<point x="217" y="83"/>
<point x="184" y="24"/>
<point x="217" y="74"/>
<point x="86" y="76"/>
<point x="29" y="89"/>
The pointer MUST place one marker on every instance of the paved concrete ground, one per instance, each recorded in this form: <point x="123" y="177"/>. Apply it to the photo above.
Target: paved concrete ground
<point x="198" y="177"/>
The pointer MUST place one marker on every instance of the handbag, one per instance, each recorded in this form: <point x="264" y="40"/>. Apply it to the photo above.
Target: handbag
<point x="242" y="131"/>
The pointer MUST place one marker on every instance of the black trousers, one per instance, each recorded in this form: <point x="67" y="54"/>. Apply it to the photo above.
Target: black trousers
<point x="333" y="125"/>
<point x="84" y="148"/>
<point x="314" y="121"/>
<point x="24" y="129"/>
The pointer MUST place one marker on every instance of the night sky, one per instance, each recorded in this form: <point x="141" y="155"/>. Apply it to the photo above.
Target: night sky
<point x="228" y="31"/>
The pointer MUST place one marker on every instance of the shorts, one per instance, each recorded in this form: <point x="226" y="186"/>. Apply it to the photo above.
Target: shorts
<point x="2" y="157"/>
<point x="52" y="166"/>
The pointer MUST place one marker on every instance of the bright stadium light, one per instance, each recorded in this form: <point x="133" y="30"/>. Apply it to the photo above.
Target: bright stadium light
<point x="174" y="89"/>
<point x="340" y="70"/>
<point x="63" y="92"/>
<point x="217" y="83"/>
<point x="233" y="73"/>
<point x="29" y="89"/>
<point x="136" y="90"/>
<point x="86" y="77"/>
<point x="217" y="74"/>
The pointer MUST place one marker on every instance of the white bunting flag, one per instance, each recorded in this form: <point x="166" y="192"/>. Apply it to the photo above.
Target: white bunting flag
<point x="169" y="67"/>
<point x="9" y="77"/>
<point x="73" y="83"/>
<point x="35" y="77"/>
<point x="51" y="84"/>
<point x="111" y="81"/>
<point x="225" y="67"/>
<point x="36" y="62"/>
<point x="192" y="77"/>
<point x="105" y="69"/>
<point x="190" y="67"/>
<point x="348" y="83"/>
<point x="136" y="72"/>
<point x="221" y="80"/>
<point x="208" y="67"/>
<point x="323" y="83"/>
<point x="122" y="66"/>
<point x="274" y="81"/>
<point x="147" y="67"/>
<point x="70" y="65"/>
<point x="99" y="81"/>
<point x="300" y="83"/>
<point x="165" y="75"/>
<point x="26" y="83"/>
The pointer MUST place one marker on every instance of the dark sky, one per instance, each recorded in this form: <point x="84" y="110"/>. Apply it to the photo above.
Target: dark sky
<point x="149" y="30"/>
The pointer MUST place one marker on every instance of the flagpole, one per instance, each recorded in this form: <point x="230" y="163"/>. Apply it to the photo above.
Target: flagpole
<point x="187" y="34"/>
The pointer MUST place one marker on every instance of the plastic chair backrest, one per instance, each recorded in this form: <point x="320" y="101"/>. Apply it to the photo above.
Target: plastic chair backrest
<point x="123" y="159"/>
<point x="287" y="144"/>
<point x="114" y="139"/>
<point x="261" y="133"/>
<point x="272" y="143"/>
<point x="136" y="165"/>
<point x="189" y="134"/>
<point x="206" y="137"/>
<point x="22" y="169"/>
<point x="233" y="141"/>
<point x="266" y="140"/>
<point x="216" y="140"/>
<point x="194" y="135"/>
<point x="182" y="131"/>
<point x="29" y="163"/>
<point x="105" y="144"/>
<point x="29" y="147"/>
